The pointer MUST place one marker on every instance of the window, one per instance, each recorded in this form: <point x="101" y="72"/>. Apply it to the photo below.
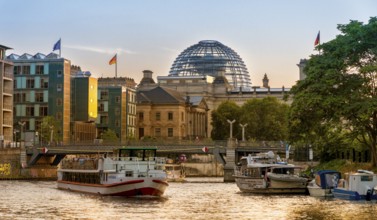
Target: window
<point x="170" y="132"/>
<point x="39" y="97"/>
<point x="170" y="116"/>
<point x="182" y="117"/>
<point x="43" y="111"/>
<point x="59" y="73"/>
<point x="39" y="70"/>
<point x="141" y="116"/>
<point x="157" y="132"/>
<point x="117" y="99"/>
<point x="101" y="107"/>
<point x="158" y="116"/>
<point x="26" y="70"/>
<point x="117" y="111"/>
<point x="15" y="83"/>
<point x="29" y="110"/>
<point x="59" y="102"/>
<point x="117" y="123"/>
<point x="44" y="83"/>
<point x="59" y="116"/>
<point x="17" y="70"/>
<point x="104" y="95"/>
<point x="30" y="83"/>
<point x="17" y="97"/>
<point x="104" y="119"/>
<point x="59" y="87"/>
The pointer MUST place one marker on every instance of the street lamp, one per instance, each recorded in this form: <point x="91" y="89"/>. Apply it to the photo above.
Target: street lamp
<point x="15" y="135"/>
<point x="22" y="124"/>
<point x="231" y="128"/>
<point x="52" y="132"/>
<point x="243" y="131"/>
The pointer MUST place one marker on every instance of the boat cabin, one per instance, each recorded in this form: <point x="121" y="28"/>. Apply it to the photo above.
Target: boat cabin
<point x="143" y="154"/>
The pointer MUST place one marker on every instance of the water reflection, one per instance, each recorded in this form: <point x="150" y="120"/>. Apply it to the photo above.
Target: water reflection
<point x="192" y="200"/>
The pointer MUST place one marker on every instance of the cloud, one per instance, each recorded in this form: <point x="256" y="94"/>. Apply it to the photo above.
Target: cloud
<point x="119" y="51"/>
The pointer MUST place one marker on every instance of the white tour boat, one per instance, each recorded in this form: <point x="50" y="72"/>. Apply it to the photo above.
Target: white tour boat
<point x="264" y="174"/>
<point x="132" y="172"/>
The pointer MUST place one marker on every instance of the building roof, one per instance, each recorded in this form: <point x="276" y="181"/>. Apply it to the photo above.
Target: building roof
<point x="5" y="47"/>
<point x="160" y="95"/>
<point x="37" y="56"/>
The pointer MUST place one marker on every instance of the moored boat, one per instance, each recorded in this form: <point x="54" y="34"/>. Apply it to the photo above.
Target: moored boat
<point x="175" y="172"/>
<point x="131" y="172"/>
<point x="361" y="185"/>
<point x="264" y="174"/>
<point x="323" y="183"/>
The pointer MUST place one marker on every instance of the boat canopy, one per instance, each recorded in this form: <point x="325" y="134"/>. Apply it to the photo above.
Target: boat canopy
<point x="327" y="178"/>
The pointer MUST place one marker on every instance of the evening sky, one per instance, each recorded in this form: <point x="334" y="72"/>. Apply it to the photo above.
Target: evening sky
<point x="271" y="36"/>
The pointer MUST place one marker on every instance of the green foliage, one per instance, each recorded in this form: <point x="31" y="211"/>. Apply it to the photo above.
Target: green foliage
<point x="49" y="125"/>
<point x="267" y="119"/>
<point x="337" y="102"/>
<point x="109" y="136"/>
<point x="226" y="111"/>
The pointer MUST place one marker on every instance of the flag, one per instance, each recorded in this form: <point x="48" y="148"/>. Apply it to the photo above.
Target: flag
<point x="113" y="60"/>
<point x="44" y="150"/>
<point x="317" y="40"/>
<point x="57" y="45"/>
<point x="205" y="149"/>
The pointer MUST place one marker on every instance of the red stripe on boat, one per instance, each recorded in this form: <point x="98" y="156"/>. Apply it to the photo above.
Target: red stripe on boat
<point x="160" y="181"/>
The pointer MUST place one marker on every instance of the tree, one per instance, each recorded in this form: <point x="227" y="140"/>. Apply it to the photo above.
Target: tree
<point x="340" y="92"/>
<point x="267" y="119"/>
<point x="220" y="127"/>
<point x="49" y="126"/>
<point x="109" y="136"/>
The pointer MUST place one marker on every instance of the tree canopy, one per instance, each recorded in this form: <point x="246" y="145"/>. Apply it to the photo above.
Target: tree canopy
<point x="266" y="119"/>
<point x="338" y="98"/>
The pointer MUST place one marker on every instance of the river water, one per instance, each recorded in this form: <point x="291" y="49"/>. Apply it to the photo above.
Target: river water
<point x="199" y="198"/>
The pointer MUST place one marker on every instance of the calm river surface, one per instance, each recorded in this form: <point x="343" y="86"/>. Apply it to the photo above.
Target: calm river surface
<point x="200" y="198"/>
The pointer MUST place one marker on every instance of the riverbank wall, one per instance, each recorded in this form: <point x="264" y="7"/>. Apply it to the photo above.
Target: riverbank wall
<point x="13" y="166"/>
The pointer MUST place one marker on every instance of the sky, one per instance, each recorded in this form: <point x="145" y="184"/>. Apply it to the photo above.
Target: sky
<point x="271" y="36"/>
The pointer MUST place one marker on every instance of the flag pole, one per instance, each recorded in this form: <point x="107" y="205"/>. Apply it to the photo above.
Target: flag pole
<point x="116" y="66"/>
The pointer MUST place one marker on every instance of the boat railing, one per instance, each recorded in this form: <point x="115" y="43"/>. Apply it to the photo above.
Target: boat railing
<point x="80" y="164"/>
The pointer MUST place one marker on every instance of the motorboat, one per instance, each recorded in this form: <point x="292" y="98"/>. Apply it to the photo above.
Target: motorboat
<point x="323" y="183"/>
<point x="263" y="173"/>
<point x="175" y="172"/>
<point x="360" y="185"/>
<point x="130" y="172"/>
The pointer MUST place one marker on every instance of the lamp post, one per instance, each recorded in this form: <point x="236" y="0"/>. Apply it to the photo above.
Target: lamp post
<point x="22" y="124"/>
<point x="243" y="131"/>
<point x="231" y="128"/>
<point x="52" y="132"/>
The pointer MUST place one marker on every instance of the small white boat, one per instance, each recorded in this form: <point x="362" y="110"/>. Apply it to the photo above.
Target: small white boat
<point x="361" y="185"/>
<point x="175" y="172"/>
<point x="323" y="183"/>
<point x="131" y="172"/>
<point x="264" y="174"/>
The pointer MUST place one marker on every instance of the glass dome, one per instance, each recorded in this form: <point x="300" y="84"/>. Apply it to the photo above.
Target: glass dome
<point x="210" y="57"/>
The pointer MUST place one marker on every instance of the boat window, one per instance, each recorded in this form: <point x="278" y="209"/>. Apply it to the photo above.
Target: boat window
<point x="125" y="153"/>
<point x="150" y="153"/>
<point x="366" y="178"/>
<point x="137" y="153"/>
<point x="129" y="173"/>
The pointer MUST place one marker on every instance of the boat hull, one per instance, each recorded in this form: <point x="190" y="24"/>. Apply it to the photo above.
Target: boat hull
<point x="319" y="192"/>
<point x="351" y="195"/>
<point x="135" y="187"/>
<point x="259" y="186"/>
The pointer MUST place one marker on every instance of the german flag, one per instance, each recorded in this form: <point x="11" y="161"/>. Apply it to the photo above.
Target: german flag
<point x="317" y="40"/>
<point x="113" y="60"/>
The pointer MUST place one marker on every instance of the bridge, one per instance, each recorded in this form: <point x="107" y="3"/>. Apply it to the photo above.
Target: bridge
<point x="218" y="149"/>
